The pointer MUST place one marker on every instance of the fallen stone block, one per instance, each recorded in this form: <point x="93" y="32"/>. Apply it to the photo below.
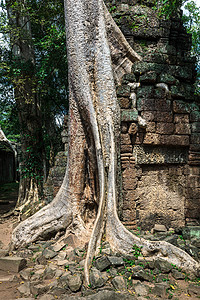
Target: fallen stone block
<point x="12" y="263"/>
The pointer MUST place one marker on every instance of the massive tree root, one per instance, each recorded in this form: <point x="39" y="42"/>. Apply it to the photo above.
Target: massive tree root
<point x="93" y="145"/>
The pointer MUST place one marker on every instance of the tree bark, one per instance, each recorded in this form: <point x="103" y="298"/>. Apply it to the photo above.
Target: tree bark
<point x="91" y="175"/>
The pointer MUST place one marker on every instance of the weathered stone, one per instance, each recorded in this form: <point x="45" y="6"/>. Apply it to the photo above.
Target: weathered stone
<point x="129" y="115"/>
<point x="163" y="265"/>
<point x="24" y="289"/>
<point x="39" y="289"/>
<point x="164" y="117"/>
<point x="181" y="118"/>
<point x="47" y="297"/>
<point x="3" y="252"/>
<point x="129" y="78"/>
<point x="177" y="275"/>
<point x="162" y="105"/>
<point x="12" y="263"/>
<point x="159" y="155"/>
<point x="144" y="104"/>
<point x="194" y="289"/>
<point x="195" y="116"/>
<point x="119" y="283"/>
<point x="177" y="91"/>
<point x="124" y="127"/>
<point x="74" y="282"/>
<point x="167" y="78"/>
<point x="191" y="232"/>
<point x="178" y="140"/>
<point x="159" y="228"/>
<point x="116" y="261"/>
<point x="141" y="289"/>
<point x="152" y="139"/>
<point x="97" y="279"/>
<point x="182" y="128"/>
<point x="145" y="92"/>
<point x="124" y="102"/>
<point x="48" y="253"/>
<point x="123" y="91"/>
<point x="149" y="77"/>
<point x="165" y="128"/>
<point x="41" y="260"/>
<point x="103" y="295"/>
<point x="195" y="127"/>
<point x="102" y="263"/>
<point x="181" y="107"/>
<point x="49" y="272"/>
<point x="160" y="289"/>
<point x="129" y="179"/>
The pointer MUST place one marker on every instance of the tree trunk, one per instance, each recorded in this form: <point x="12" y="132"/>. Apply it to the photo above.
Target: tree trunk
<point x="87" y="202"/>
<point x="28" y="106"/>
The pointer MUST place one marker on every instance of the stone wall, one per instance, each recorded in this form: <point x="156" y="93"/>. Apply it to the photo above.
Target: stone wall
<point x="160" y="121"/>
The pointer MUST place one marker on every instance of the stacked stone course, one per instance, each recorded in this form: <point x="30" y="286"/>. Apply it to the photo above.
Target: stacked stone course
<point x="161" y="161"/>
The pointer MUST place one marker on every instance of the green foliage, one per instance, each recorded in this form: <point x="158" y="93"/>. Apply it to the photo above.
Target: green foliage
<point x="191" y="20"/>
<point x="41" y="28"/>
<point x="137" y="251"/>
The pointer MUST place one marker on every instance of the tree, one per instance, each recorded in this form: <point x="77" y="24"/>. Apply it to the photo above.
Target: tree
<point x="35" y="65"/>
<point x="192" y="22"/>
<point x="86" y="204"/>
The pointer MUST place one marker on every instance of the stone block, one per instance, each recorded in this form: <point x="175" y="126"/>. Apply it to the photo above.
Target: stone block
<point x="145" y="92"/>
<point x="164" y="117"/>
<point x="193" y="181"/>
<point x="129" y="78"/>
<point x="125" y="139"/>
<point x="178" y="91"/>
<point x="195" y="127"/>
<point x="3" y="252"/>
<point x="124" y="127"/>
<point x="195" y="138"/>
<point x="119" y="283"/>
<point x="145" y="104"/>
<point x="195" y="116"/>
<point x="152" y="139"/>
<point x="182" y="128"/>
<point x="74" y="282"/>
<point x="165" y="128"/>
<point x="163" y="265"/>
<point x="126" y="148"/>
<point x="124" y="102"/>
<point x="167" y="78"/>
<point x="102" y="263"/>
<point x="129" y="179"/>
<point x="195" y="147"/>
<point x="181" y="118"/>
<point x="181" y="107"/>
<point x="151" y="127"/>
<point x="162" y="105"/>
<point x="149" y="77"/>
<point x="12" y="263"/>
<point x="149" y="116"/>
<point x="139" y="138"/>
<point x="97" y="279"/>
<point x="159" y="228"/>
<point x="175" y="140"/>
<point x="116" y="261"/>
<point x="123" y="91"/>
<point x="129" y="115"/>
<point x="160" y="289"/>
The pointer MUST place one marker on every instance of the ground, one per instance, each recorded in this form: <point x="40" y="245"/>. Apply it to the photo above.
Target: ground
<point x="56" y="273"/>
